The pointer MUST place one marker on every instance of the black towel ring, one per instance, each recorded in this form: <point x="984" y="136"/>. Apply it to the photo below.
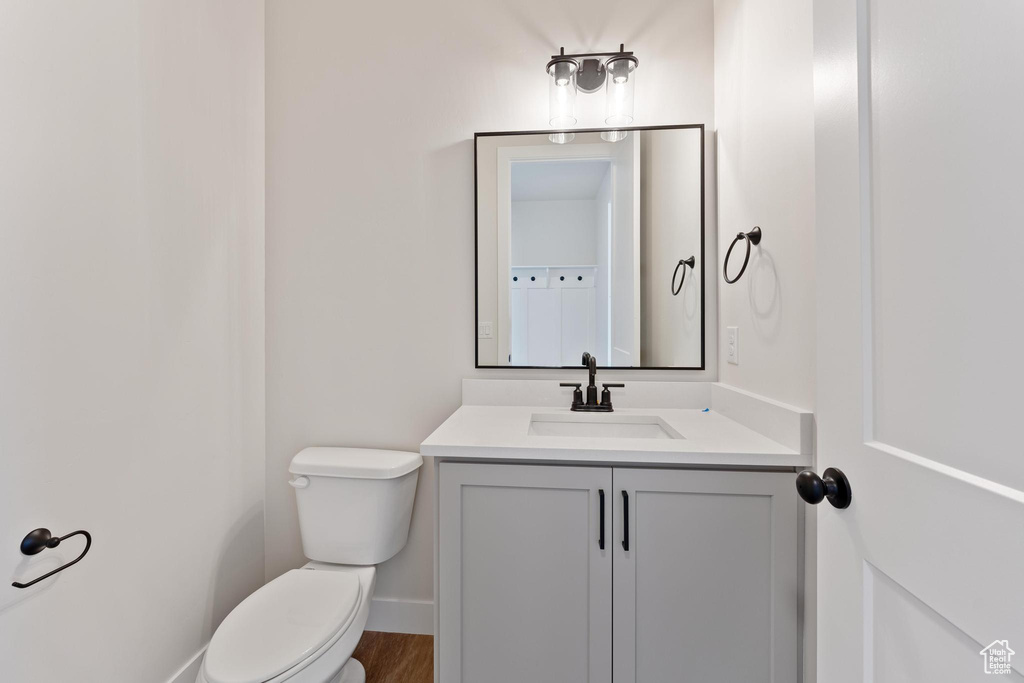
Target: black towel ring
<point x="692" y="261"/>
<point x="39" y="540"/>
<point x="752" y="237"/>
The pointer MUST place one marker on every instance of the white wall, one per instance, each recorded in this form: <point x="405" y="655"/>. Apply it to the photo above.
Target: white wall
<point x="370" y="208"/>
<point x="670" y="231"/>
<point x="764" y="115"/>
<point x="554" y="233"/>
<point x="131" y="329"/>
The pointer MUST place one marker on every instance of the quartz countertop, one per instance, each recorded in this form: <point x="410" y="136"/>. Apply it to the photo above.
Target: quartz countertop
<point x="709" y="438"/>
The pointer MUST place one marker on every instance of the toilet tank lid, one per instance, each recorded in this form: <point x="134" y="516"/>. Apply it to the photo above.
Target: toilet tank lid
<point x="354" y="463"/>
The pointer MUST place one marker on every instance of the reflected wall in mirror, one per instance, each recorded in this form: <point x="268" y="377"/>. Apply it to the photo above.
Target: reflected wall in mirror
<point x="587" y="246"/>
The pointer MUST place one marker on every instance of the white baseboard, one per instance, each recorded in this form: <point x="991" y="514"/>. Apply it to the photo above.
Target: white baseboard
<point x="188" y="672"/>
<point x="393" y="615"/>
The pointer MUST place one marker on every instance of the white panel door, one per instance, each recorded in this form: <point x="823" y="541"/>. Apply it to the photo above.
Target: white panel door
<point x="706" y="580"/>
<point x="525" y="588"/>
<point x="543" y="326"/>
<point x="578" y="328"/>
<point x="920" y="198"/>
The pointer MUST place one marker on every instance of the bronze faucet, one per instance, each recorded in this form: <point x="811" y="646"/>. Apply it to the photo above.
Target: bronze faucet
<point x="591" y="405"/>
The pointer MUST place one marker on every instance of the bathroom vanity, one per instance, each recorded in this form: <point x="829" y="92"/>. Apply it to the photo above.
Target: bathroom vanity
<point x="659" y="542"/>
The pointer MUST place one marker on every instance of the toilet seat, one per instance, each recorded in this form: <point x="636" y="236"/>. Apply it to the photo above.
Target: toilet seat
<point x="281" y="627"/>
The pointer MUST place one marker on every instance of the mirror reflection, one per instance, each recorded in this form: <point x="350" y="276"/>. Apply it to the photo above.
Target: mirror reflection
<point x="591" y="245"/>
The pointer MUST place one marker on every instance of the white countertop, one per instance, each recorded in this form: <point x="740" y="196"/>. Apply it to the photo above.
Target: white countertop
<point x="480" y="432"/>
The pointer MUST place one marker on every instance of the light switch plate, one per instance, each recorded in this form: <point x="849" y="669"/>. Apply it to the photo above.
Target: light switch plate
<point x="485" y="331"/>
<point x="732" y="345"/>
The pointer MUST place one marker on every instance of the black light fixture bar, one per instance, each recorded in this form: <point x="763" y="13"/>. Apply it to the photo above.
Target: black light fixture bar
<point x="584" y="55"/>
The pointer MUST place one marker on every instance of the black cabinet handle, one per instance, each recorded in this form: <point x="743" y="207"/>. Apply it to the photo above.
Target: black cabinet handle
<point x="625" y="521"/>
<point x="600" y="538"/>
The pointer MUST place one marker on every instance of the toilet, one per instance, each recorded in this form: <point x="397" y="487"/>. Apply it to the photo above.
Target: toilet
<point x="355" y="506"/>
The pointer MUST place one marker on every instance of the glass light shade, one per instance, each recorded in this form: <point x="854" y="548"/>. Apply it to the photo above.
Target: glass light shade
<point x="561" y="138"/>
<point x="614" y="135"/>
<point x="620" y="86"/>
<point x="562" y="94"/>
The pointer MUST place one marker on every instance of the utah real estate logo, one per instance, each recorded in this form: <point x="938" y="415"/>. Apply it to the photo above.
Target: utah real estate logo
<point x="997" y="657"/>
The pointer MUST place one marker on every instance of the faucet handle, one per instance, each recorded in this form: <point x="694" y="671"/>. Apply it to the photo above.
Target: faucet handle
<point x="577" y="394"/>
<point x="606" y="395"/>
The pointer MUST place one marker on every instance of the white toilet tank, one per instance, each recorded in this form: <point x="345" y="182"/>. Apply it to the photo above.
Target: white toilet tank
<point x="355" y="504"/>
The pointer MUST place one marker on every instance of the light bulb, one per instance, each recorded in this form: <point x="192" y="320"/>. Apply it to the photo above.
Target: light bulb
<point x="620" y="67"/>
<point x="562" y="73"/>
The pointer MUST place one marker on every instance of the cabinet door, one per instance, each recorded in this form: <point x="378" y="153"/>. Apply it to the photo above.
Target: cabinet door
<point x="708" y="587"/>
<point x="525" y="590"/>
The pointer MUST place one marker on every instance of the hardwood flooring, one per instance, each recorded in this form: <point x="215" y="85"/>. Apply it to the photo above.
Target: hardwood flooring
<point x="396" y="657"/>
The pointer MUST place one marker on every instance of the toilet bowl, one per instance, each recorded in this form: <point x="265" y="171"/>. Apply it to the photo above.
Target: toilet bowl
<point x="301" y="627"/>
<point x="355" y="506"/>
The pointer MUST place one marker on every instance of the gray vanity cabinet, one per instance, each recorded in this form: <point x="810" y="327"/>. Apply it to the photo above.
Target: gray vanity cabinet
<point x="706" y="590"/>
<point x="525" y="590"/>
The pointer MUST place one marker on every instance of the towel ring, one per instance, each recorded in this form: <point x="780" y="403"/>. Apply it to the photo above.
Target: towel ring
<point x="692" y="261"/>
<point x="39" y="540"/>
<point x="752" y="237"/>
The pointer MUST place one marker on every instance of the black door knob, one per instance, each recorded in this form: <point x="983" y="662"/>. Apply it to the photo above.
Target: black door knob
<point x="834" y="486"/>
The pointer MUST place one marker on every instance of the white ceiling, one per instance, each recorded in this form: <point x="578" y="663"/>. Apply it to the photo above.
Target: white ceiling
<point x="534" y="181"/>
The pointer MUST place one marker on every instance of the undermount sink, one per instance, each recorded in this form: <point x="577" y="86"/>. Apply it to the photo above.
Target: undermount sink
<point x="580" y="425"/>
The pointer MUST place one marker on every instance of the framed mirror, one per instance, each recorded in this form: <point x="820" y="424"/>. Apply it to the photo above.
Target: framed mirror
<point x="590" y="241"/>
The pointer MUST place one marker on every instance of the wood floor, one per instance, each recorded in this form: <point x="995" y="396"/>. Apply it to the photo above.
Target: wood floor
<point x="396" y="657"/>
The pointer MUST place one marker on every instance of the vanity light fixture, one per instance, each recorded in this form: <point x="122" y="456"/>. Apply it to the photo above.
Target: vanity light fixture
<point x="588" y="73"/>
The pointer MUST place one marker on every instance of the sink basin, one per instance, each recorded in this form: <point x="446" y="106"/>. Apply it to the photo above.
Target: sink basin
<point x="604" y="426"/>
